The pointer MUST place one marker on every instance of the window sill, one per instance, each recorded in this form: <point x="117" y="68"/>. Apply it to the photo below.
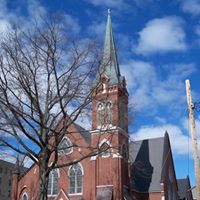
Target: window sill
<point x="75" y="194"/>
<point x="107" y="156"/>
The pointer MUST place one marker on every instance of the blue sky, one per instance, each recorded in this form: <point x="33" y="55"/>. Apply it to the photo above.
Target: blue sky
<point x="158" y="44"/>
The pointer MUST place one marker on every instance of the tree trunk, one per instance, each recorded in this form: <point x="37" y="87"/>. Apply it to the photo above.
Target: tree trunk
<point x="44" y="178"/>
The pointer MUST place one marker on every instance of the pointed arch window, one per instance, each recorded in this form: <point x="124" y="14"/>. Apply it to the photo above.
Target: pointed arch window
<point x="105" y="149"/>
<point x="24" y="196"/>
<point x="108" y="113"/>
<point x="75" y="179"/>
<point x="100" y="115"/>
<point x="65" y="146"/>
<point x="53" y="182"/>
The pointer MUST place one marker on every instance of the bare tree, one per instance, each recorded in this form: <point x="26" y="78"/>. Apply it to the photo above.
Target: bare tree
<point x="45" y="85"/>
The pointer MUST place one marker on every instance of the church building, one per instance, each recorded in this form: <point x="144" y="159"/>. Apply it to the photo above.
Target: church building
<point x="111" y="175"/>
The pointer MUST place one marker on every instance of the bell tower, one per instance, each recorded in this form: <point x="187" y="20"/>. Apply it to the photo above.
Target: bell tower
<point x="110" y="102"/>
<point x="110" y="122"/>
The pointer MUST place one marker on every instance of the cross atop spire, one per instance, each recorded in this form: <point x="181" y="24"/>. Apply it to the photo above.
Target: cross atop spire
<point x="109" y="11"/>
<point x="109" y="61"/>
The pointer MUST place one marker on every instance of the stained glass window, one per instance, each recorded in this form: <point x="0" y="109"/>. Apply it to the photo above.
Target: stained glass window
<point x="100" y="115"/>
<point x="24" y="197"/>
<point x="65" y="146"/>
<point x="53" y="182"/>
<point x="108" y="114"/>
<point x="105" y="149"/>
<point x="75" y="179"/>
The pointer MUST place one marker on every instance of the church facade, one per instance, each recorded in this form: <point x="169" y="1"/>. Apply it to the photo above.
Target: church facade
<point x="109" y="175"/>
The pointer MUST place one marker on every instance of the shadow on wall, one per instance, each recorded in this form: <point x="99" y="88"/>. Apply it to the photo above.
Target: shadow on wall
<point x="141" y="172"/>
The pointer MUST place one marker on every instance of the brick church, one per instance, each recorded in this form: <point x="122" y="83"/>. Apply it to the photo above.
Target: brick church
<point x="113" y="174"/>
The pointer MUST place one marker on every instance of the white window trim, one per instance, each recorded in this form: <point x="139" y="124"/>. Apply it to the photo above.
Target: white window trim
<point x="80" y="166"/>
<point x="104" y="107"/>
<point x="107" y="142"/>
<point x="99" y="126"/>
<point x="53" y="195"/>
<point x="24" y="195"/>
<point x="111" y="105"/>
<point x="102" y="186"/>
<point x="71" y="149"/>
<point x="75" y="194"/>
<point x="80" y="193"/>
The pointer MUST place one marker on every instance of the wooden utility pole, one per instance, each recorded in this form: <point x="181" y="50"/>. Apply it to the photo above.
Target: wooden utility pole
<point x="194" y="138"/>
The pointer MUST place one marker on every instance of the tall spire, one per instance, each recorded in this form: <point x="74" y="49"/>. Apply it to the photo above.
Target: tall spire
<point x="109" y="62"/>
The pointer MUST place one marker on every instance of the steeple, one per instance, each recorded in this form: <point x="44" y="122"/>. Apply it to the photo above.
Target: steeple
<point x="110" y="102"/>
<point x="109" y="64"/>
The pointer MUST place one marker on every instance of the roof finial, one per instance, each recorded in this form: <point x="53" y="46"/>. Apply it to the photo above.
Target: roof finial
<point x="109" y="11"/>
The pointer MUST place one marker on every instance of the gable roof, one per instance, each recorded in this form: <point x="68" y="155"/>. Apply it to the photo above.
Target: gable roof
<point x="149" y="163"/>
<point x="86" y="135"/>
<point x="146" y="158"/>
<point x="61" y="195"/>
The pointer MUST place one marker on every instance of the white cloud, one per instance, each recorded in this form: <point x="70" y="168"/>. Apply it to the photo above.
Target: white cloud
<point x="191" y="6"/>
<point x="5" y="19"/>
<point x="179" y="135"/>
<point x="140" y="77"/>
<point x="10" y="156"/>
<point x="97" y="28"/>
<point x="3" y="8"/>
<point x="5" y="28"/>
<point x="72" y="23"/>
<point x="162" y="35"/>
<point x="186" y="125"/>
<point x="36" y="11"/>
<point x="160" y="120"/>
<point x="9" y="18"/>
<point x="179" y="141"/>
<point x="149" y="90"/>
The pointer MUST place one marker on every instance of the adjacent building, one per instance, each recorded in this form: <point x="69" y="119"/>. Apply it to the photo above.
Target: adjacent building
<point x="6" y="169"/>
<point x="184" y="189"/>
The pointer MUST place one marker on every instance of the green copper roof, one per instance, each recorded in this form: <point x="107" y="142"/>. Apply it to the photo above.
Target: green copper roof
<point x="110" y="66"/>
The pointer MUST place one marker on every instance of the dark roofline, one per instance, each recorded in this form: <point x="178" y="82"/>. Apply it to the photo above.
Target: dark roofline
<point x="166" y="152"/>
<point x="81" y="130"/>
<point x="166" y="139"/>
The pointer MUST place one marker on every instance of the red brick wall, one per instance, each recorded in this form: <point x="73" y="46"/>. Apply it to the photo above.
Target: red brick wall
<point x="114" y="169"/>
<point x="119" y="98"/>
